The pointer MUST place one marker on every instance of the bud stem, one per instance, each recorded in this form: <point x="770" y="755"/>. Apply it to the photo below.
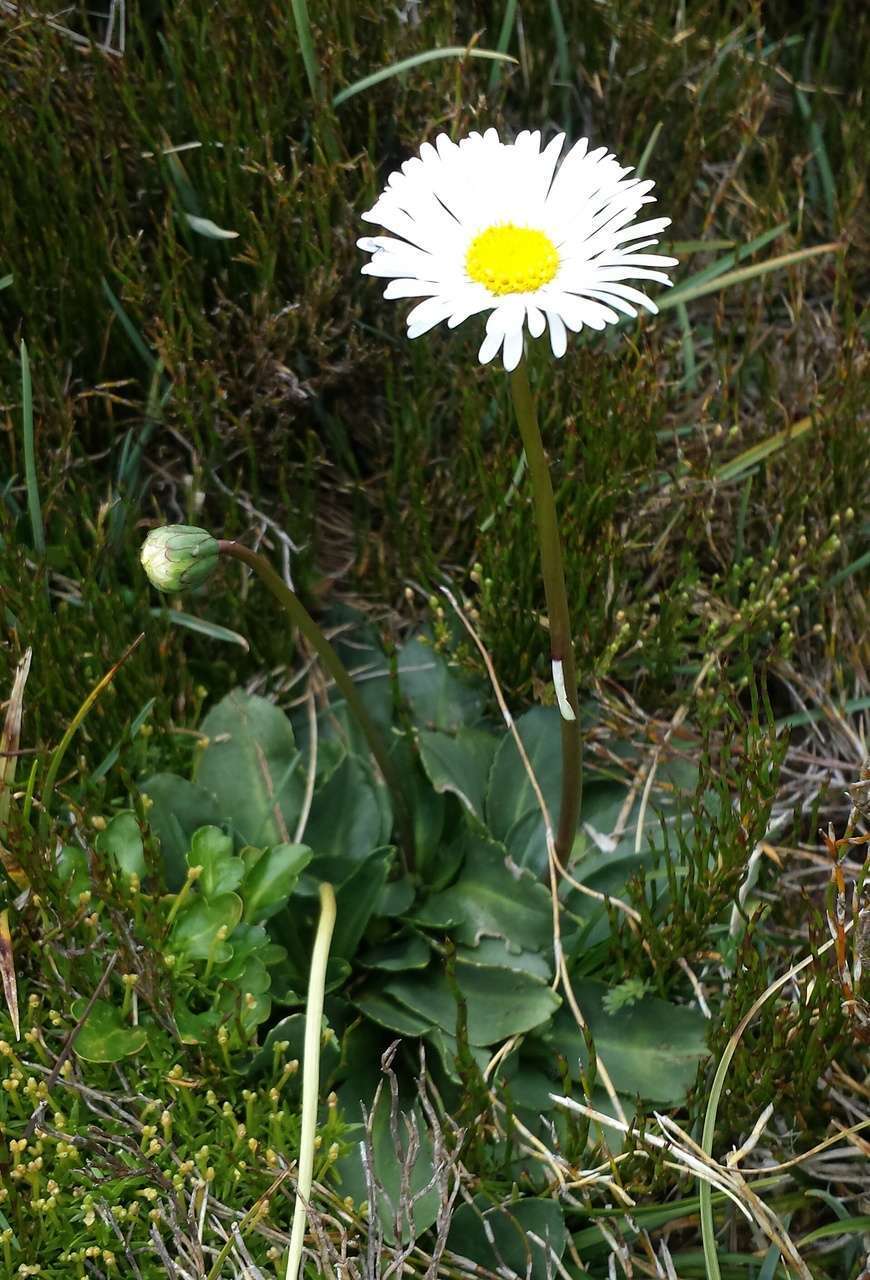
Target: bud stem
<point x="301" y="618"/>
<point x="311" y="1075"/>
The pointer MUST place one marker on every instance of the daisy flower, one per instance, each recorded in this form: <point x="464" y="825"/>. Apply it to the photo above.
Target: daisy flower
<point x="503" y="227"/>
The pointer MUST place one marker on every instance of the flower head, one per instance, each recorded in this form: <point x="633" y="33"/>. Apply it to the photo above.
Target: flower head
<point x="485" y="225"/>
<point x="177" y="556"/>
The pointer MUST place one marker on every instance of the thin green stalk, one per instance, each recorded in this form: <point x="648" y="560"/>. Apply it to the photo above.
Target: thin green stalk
<point x="33" y="504"/>
<point x="301" y="618"/>
<point x="311" y="1075"/>
<point x="72" y="728"/>
<point x="561" y="648"/>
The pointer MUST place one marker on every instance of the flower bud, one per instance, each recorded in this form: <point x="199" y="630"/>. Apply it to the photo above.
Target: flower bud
<point x="178" y="556"/>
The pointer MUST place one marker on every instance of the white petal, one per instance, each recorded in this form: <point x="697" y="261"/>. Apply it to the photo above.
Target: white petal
<point x="537" y="323"/>
<point x="427" y="314"/>
<point x="558" y="336"/>
<point x="469" y="301"/>
<point x="591" y="313"/>
<point x="606" y="274"/>
<point x="488" y="348"/>
<point x="636" y="260"/>
<point x="513" y="349"/>
<point x="389" y="264"/>
<point x="410" y="288"/>
<point x="609" y="291"/>
<point x="619" y="304"/>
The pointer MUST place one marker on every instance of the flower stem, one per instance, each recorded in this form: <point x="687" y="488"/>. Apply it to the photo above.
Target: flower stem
<point x="311" y="1075"/>
<point x="561" y="648"/>
<point x="301" y="618"/>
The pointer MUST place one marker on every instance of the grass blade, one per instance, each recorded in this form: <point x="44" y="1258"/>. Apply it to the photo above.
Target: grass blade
<point x="562" y="59"/>
<point x="688" y="292"/>
<point x="819" y="153"/>
<point x="763" y="449"/>
<point x="299" y="9"/>
<point x="857" y="566"/>
<point x="504" y="39"/>
<point x="690" y="364"/>
<point x="648" y="150"/>
<point x="416" y="60"/>
<point x="800" y="718"/>
<point x="33" y="504"/>
<point x="108" y="762"/>
<point x="129" y="328"/>
<point x="722" y="265"/>
<point x="5" y="281"/>
<point x="71" y="730"/>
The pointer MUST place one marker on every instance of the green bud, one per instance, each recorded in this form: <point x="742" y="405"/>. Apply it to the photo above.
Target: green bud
<point x="178" y="556"/>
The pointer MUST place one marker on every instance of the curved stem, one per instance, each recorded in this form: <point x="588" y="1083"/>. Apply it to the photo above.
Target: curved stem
<point x="561" y="648"/>
<point x="301" y="618"/>
<point x="311" y="1075"/>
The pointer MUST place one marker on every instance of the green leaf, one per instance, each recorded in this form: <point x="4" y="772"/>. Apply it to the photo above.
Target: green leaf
<point x="510" y="795"/>
<point x="249" y="940"/>
<point x="201" y="626"/>
<point x="428" y="808"/>
<point x="459" y="763"/>
<point x="105" y="1036"/>
<point x="251" y="768"/>
<point x="272" y="878"/>
<point x="396" y="897"/>
<point x="439" y="698"/>
<point x="122" y="842"/>
<point x="843" y="1226"/>
<point x="388" y="1013"/>
<point x="291" y="1030"/>
<point x="499" y="1236"/>
<point x="489" y="900"/>
<point x="346" y="821"/>
<point x="651" y="1049"/>
<point x="388" y="1166"/>
<point x="526" y="842"/>
<point x="356" y="900"/>
<point x="195" y="1028"/>
<point x="409" y="951"/>
<point x="493" y="953"/>
<point x="250" y="1007"/>
<point x="499" y="1002"/>
<point x="178" y="808"/>
<point x="222" y="872"/>
<point x="254" y="977"/>
<point x="73" y="869"/>
<point x="195" y="929"/>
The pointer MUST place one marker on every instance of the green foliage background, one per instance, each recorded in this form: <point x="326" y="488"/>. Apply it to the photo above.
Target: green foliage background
<point x="710" y="466"/>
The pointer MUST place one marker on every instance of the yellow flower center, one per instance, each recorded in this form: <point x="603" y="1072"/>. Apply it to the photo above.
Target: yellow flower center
<point x="510" y="259"/>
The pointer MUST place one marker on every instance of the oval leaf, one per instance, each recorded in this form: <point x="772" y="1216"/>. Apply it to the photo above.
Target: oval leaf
<point x="271" y="880"/>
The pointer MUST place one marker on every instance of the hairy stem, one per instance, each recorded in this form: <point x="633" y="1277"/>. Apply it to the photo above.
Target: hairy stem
<point x="561" y="648"/>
